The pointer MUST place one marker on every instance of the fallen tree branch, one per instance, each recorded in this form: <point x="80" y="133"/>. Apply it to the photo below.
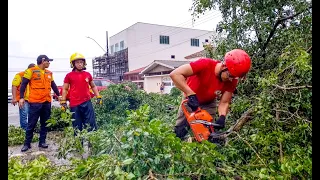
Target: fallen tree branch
<point x="218" y="169"/>
<point x="238" y="125"/>
<point x="292" y="114"/>
<point x="281" y="152"/>
<point x="179" y="174"/>
<point x="252" y="149"/>
<point x="241" y="121"/>
<point x="151" y="176"/>
<point x="310" y="48"/>
<point x="117" y="138"/>
<point x="294" y="87"/>
<point x="277" y="24"/>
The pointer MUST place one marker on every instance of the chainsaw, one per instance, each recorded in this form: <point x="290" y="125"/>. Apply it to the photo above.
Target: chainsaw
<point x="201" y="124"/>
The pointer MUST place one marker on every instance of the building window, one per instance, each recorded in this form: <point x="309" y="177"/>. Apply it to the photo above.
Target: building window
<point x="164" y="40"/>
<point x="206" y="40"/>
<point x="116" y="48"/>
<point x="121" y="45"/>
<point x="195" y="42"/>
<point x="112" y="49"/>
<point x="173" y="56"/>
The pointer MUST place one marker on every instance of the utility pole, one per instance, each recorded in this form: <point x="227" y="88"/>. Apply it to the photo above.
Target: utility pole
<point x="107" y="43"/>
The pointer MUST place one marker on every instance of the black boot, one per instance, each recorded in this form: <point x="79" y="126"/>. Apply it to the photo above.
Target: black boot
<point x="25" y="147"/>
<point x="43" y="145"/>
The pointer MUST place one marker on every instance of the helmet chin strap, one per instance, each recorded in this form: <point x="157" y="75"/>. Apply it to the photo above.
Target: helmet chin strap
<point x="220" y="73"/>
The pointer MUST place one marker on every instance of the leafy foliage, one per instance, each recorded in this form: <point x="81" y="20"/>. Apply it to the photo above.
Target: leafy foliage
<point x="59" y="119"/>
<point x="135" y="139"/>
<point x="277" y="35"/>
<point x="39" y="168"/>
<point x="16" y="136"/>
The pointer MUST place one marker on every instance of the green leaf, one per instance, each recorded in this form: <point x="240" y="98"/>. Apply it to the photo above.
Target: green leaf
<point x="108" y="174"/>
<point x="117" y="170"/>
<point x="127" y="161"/>
<point x="130" y="176"/>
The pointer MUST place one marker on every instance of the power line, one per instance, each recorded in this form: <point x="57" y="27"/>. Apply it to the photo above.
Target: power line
<point x="186" y="40"/>
<point x="182" y="29"/>
<point x="215" y="15"/>
<point x="169" y="46"/>
<point x="25" y="57"/>
<point x="53" y="71"/>
<point x="169" y="29"/>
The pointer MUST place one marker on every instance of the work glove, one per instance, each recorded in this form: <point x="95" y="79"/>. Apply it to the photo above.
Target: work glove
<point x="99" y="100"/>
<point x="221" y="121"/>
<point x="63" y="105"/>
<point x="193" y="102"/>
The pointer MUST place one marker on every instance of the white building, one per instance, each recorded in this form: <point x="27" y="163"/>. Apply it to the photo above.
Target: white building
<point x="148" y="42"/>
<point x="158" y="72"/>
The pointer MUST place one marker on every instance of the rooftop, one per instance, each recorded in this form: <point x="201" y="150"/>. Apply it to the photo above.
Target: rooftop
<point x="196" y="54"/>
<point x="136" y="71"/>
<point x="159" y="25"/>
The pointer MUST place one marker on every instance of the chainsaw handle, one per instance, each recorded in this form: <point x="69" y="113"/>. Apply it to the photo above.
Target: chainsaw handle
<point x="184" y="109"/>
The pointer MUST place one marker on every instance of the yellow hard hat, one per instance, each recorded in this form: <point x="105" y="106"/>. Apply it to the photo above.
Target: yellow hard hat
<point x="77" y="56"/>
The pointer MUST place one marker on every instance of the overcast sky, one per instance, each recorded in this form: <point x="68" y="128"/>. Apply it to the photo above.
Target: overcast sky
<point x="59" y="28"/>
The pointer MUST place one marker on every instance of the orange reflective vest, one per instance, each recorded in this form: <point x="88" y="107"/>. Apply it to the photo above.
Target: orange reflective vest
<point x="40" y="86"/>
<point x="18" y="88"/>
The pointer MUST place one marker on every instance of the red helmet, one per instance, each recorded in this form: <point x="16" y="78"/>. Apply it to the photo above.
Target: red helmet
<point x="238" y="62"/>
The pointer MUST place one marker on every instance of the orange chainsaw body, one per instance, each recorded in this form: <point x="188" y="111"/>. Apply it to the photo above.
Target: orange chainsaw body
<point x="200" y="121"/>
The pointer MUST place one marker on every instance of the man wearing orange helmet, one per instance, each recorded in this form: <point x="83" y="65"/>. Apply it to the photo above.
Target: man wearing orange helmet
<point x="204" y="80"/>
<point x="78" y="83"/>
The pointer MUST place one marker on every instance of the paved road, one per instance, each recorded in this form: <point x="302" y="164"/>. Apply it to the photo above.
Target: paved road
<point x="51" y="152"/>
<point x="13" y="113"/>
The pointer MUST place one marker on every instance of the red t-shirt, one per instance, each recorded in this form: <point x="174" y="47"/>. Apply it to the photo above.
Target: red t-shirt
<point x="79" y="87"/>
<point x="205" y="83"/>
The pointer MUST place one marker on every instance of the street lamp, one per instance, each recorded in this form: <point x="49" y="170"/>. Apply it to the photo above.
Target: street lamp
<point x="96" y="43"/>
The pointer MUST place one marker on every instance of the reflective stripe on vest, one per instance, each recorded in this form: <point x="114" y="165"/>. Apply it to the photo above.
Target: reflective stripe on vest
<point x="40" y="86"/>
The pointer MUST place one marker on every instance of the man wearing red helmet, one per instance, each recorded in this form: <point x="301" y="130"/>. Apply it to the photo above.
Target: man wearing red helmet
<point x="204" y="80"/>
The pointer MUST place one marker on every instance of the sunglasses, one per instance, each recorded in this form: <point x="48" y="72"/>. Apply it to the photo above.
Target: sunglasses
<point x="230" y="76"/>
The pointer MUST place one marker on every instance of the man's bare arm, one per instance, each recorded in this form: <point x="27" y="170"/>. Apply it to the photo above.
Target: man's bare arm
<point x="65" y="89"/>
<point x="179" y="76"/>
<point x="94" y="89"/>
<point x="14" y="95"/>
<point x="223" y="107"/>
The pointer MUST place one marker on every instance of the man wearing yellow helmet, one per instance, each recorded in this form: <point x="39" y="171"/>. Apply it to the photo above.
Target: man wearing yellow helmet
<point x="78" y="83"/>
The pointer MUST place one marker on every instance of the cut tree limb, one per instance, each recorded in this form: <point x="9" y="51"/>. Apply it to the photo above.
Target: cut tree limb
<point x="246" y="116"/>
<point x="241" y="121"/>
<point x="294" y="87"/>
<point x="310" y="49"/>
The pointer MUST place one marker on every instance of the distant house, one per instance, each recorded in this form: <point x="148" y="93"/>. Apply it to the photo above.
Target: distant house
<point x="134" y="76"/>
<point x="158" y="72"/>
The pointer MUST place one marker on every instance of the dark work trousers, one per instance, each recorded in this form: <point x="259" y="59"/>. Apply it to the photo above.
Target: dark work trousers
<point x="36" y="110"/>
<point x="83" y="115"/>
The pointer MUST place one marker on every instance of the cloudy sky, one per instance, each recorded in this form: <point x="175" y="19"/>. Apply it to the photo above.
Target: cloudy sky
<point x="59" y="28"/>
